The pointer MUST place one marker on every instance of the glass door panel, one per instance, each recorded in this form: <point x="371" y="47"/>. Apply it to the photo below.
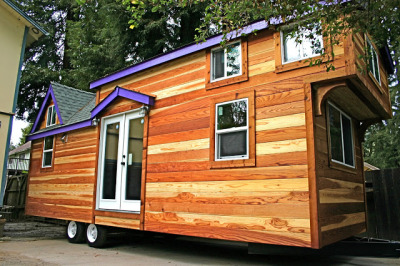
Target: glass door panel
<point x="132" y="175"/>
<point x="121" y="162"/>
<point x="110" y="158"/>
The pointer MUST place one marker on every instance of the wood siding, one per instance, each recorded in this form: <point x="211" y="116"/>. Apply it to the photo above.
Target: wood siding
<point x="64" y="191"/>
<point x="341" y="210"/>
<point x="268" y="203"/>
<point x="291" y="196"/>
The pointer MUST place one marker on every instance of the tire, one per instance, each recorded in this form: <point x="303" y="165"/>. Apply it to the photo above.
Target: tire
<point x="96" y="236"/>
<point x="75" y="232"/>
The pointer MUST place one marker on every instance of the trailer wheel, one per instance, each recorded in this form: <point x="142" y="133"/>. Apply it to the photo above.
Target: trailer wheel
<point x="96" y="236"/>
<point x="75" y="232"/>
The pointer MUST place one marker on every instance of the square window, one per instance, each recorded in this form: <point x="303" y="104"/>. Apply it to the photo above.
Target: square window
<point x="226" y="62"/>
<point x="341" y="136"/>
<point x="373" y="62"/>
<point x="231" y="130"/>
<point x="51" y="116"/>
<point x="304" y="47"/>
<point x="48" y="151"/>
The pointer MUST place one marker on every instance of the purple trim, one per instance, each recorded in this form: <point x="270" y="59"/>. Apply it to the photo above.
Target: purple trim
<point x="49" y="93"/>
<point x="118" y="91"/>
<point x="176" y="54"/>
<point x="59" y="130"/>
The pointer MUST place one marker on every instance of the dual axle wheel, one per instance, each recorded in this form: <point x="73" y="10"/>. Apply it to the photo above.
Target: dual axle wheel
<point x="95" y="235"/>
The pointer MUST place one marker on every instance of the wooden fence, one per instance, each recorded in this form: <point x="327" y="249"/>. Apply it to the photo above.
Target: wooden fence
<point x="14" y="197"/>
<point x="383" y="203"/>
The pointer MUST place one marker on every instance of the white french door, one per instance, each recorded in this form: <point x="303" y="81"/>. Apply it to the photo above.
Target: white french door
<point x="120" y="162"/>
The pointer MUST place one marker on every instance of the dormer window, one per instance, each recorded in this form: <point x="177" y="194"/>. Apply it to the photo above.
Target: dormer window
<point x="226" y="62"/>
<point x="51" y="116"/>
<point x="303" y="48"/>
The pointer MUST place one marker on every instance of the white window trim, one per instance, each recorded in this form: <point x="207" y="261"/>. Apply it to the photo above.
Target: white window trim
<point x="49" y="150"/>
<point x="229" y="130"/>
<point x="341" y="134"/>
<point x="301" y="48"/>
<point x="377" y="76"/>
<point x="48" y="121"/>
<point x="225" y="62"/>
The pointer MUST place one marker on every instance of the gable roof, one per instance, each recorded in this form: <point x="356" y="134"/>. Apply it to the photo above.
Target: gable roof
<point x="121" y="92"/>
<point x="76" y="108"/>
<point x="72" y="106"/>
<point x="70" y="100"/>
<point x="22" y="148"/>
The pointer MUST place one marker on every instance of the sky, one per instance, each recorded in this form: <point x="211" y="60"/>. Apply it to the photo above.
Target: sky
<point x="18" y="125"/>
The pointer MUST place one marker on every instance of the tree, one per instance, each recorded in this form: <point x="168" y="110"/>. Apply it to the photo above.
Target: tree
<point x="91" y="39"/>
<point x="45" y="58"/>
<point x="379" y="17"/>
<point x="25" y="131"/>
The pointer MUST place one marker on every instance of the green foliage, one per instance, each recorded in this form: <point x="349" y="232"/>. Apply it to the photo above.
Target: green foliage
<point x="379" y="18"/>
<point x="25" y="131"/>
<point x="382" y="141"/>
<point x="89" y="39"/>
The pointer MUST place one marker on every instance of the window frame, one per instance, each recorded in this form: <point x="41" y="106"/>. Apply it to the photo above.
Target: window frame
<point x="230" y="162"/>
<point x="282" y="34"/>
<point x="217" y="83"/>
<point x="47" y="151"/>
<point x="50" y="113"/>
<point x="371" y="69"/>
<point x="217" y="49"/>
<point x="219" y="132"/>
<point x="334" y="162"/>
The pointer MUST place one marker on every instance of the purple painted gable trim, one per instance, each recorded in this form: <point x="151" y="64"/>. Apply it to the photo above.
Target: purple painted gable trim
<point x="176" y="54"/>
<point x="59" y="130"/>
<point x="43" y="109"/>
<point x="118" y="91"/>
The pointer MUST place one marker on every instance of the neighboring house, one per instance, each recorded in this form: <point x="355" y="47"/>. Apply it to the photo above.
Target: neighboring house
<point x="18" y="158"/>
<point x="17" y="32"/>
<point x="369" y="167"/>
<point x="244" y="143"/>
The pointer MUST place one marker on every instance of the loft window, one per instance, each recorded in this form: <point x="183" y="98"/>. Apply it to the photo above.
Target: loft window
<point x="226" y="62"/>
<point x="232" y="130"/>
<point x="48" y="151"/>
<point x="373" y="62"/>
<point x="51" y="116"/>
<point x="309" y="44"/>
<point x="341" y="136"/>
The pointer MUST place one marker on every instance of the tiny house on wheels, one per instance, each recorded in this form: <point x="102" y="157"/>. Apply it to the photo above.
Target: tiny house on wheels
<point x="245" y="142"/>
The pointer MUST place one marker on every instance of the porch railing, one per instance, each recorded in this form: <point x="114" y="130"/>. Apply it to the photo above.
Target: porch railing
<point x="18" y="164"/>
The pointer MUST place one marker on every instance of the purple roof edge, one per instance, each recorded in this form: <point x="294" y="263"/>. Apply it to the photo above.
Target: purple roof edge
<point x="42" y="109"/>
<point x="59" y="130"/>
<point x="177" y="53"/>
<point x="118" y="91"/>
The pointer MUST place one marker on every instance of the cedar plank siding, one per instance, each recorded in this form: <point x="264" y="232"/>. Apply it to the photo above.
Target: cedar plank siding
<point x="64" y="191"/>
<point x="268" y="203"/>
<point x="290" y="197"/>
<point x="341" y="193"/>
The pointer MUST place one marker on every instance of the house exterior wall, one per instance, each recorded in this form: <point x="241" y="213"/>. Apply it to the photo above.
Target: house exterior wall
<point x="284" y="196"/>
<point x="266" y="203"/>
<point x="65" y="190"/>
<point x="12" y="32"/>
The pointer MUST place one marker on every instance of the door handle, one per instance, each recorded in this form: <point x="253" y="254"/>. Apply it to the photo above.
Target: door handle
<point x="122" y="163"/>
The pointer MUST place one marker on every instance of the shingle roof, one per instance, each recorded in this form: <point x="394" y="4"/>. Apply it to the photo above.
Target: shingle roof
<point x="23" y="147"/>
<point x="70" y="100"/>
<point x="74" y="105"/>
